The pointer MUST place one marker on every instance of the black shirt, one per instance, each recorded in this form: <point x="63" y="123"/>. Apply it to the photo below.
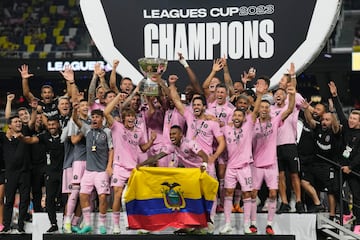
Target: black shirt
<point x="54" y="152"/>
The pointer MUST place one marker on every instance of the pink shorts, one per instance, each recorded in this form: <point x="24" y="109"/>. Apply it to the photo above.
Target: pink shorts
<point x="99" y="180"/>
<point x="67" y="180"/>
<point x="241" y="175"/>
<point x="78" y="171"/>
<point x="270" y="174"/>
<point x="120" y="176"/>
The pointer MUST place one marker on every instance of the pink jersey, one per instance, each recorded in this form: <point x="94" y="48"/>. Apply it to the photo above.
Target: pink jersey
<point x="172" y="117"/>
<point x="264" y="141"/>
<point x="96" y="105"/>
<point x="238" y="145"/>
<point x="288" y="131"/>
<point x="187" y="153"/>
<point x="222" y="112"/>
<point x="140" y="123"/>
<point x="154" y="124"/>
<point x="202" y="131"/>
<point x="126" y="145"/>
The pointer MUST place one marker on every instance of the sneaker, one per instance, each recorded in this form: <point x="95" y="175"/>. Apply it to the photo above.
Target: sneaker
<point x="75" y="229"/>
<point x="219" y="209"/>
<point x="20" y="230"/>
<point x="54" y="228"/>
<point x="335" y="219"/>
<point x="250" y="230"/>
<point x="116" y="229"/>
<point x="102" y="229"/>
<point x="357" y="229"/>
<point x="318" y="208"/>
<point x="85" y="229"/>
<point x="1" y="227"/>
<point x="5" y="230"/>
<point x="67" y="227"/>
<point x="269" y="230"/>
<point x="226" y="229"/>
<point x="143" y="232"/>
<point x="210" y="228"/>
<point x="284" y="208"/>
<point x="183" y="231"/>
<point x="349" y="218"/>
<point x="299" y="206"/>
<point x="237" y="208"/>
<point x="253" y="229"/>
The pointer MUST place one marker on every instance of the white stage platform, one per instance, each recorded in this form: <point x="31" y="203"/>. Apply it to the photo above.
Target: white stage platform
<point x="303" y="226"/>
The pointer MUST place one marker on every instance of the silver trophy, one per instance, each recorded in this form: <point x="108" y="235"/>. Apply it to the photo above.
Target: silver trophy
<point x="151" y="68"/>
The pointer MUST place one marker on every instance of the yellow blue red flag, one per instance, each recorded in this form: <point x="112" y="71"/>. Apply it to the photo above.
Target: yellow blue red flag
<point x="157" y="198"/>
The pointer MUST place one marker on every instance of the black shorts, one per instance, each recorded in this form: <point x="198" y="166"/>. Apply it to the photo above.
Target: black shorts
<point x="2" y="177"/>
<point x="323" y="177"/>
<point x="288" y="158"/>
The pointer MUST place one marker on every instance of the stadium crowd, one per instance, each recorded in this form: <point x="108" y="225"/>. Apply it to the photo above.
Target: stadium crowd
<point x="73" y="144"/>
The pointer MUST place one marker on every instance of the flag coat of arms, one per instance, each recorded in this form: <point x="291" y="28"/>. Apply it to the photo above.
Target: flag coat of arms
<point x="157" y="198"/>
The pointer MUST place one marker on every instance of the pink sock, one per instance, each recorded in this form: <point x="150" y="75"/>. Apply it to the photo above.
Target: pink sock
<point x="227" y="208"/>
<point x="116" y="218"/>
<point x="102" y="219"/>
<point x="72" y="200"/>
<point x="213" y="209"/>
<point x="87" y="215"/>
<point x="75" y="220"/>
<point x="253" y="210"/>
<point x="247" y="210"/>
<point x="271" y="209"/>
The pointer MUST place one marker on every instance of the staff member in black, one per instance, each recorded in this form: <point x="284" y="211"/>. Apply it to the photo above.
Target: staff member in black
<point x="16" y="155"/>
<point x="350" y="149"/>
<point x="54" y="162"/>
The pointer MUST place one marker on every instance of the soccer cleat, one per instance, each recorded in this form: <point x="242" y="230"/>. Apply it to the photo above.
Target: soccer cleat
<point x="253" y="229"/>
<point x="102" y="229"/>
<point x="318" y="208"/>
<point x="357" y="229"/>
<point x="143" y="232"/>
<point x="116" y="229"/>
<point x="67" y="228"/>
<point x="1" y="227"/>
<point x="349" y="218"/>
<point x="75" y="229"/>
<point x="284" y="208"/>
<point x="85" y="229"/>
<point x="226" y="229"/>
<point x="269" y="230"/>
<point x="237" y="208"/>
<point x="183" y="231"/>
<point x="5" y="230"/>
<point x="299" y="206"/>
<point x="53" y="229"/>
<point x="210" y="228"/>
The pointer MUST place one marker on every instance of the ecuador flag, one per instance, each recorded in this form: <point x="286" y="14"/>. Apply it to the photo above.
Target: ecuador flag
<point x="157" y="198"/>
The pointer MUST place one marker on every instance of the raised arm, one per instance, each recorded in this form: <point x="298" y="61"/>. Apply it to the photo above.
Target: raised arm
<point x="92" y="86"/>
<point x="192" y="77"/>
<point x="307" y="113"/>
<point x="71" y="87"/>
<point x="112" y="81"/>
<point x="337" y="104"/>
<point x="25" y="75"/>
<point x="9" y="99"/>
<point x="291" y="91"/>
<point x="217" y="66"/>
<point x="260" y="90"/>
<point x="176" y="99"/>
<point x="227" y="77"/>
<point x="75" y="115"/>
<point x="34" y="106"/>
<point x="109" y="107"/>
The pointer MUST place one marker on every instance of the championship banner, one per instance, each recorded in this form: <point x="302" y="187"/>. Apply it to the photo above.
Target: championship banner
<point x="157" y="198"/>
<point x="266" y="34"/>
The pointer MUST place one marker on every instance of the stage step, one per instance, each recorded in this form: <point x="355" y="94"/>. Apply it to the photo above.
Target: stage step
<point x="165" y="237"/>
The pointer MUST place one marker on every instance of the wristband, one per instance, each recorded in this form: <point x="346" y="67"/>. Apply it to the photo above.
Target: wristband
<point x="204" y="164"/>
<point x="184" y="63"/>
<point x="293" y="76"/>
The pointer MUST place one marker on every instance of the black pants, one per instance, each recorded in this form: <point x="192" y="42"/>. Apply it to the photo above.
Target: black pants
<point x="14" y="181"/>
<point x="354" y="184"/>
<point x="53" y="186"/>
<point x="37" y="182"/>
